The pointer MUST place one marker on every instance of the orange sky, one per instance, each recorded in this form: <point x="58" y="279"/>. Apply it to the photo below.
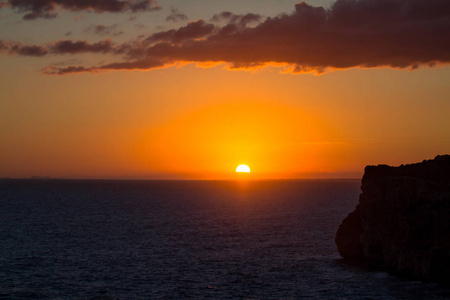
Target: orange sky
<point x="195" y="122"/>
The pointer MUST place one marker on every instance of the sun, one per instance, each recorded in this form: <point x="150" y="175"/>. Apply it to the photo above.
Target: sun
<point x="243" y="169"/>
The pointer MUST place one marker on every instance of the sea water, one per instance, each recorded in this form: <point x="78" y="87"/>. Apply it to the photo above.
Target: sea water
<point x="75" y="239"/>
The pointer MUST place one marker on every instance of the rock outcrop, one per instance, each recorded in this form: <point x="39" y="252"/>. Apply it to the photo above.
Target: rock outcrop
<point x="402" y="220"/>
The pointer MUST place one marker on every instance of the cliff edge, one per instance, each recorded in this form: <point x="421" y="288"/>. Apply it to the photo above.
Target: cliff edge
<point x="402" y="220"/>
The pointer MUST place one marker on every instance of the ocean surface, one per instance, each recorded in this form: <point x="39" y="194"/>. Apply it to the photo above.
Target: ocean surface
<point x="75" y="239"/>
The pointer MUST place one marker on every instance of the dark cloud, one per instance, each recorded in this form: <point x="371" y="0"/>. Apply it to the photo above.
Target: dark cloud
<point x="59" y="47"/>
<point x="192" y="30"/>
<point x="73" y="47"/>
<point x="137" y="65"/>
<point x="176" y="16"/>
<point x="242" y="20"/>
<point x="53" y="70"/>
<point x="47" y="8"/>
<point x="144" y="5"/>
<point x="352" y="33"/>
<point x="23" y="50"/>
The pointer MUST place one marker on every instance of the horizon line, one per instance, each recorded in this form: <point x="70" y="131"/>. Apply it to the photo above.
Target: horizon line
<point x="175" y="179"/>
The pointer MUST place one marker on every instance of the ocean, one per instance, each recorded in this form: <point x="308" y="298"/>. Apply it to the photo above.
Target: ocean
<point x="98" y="239"/>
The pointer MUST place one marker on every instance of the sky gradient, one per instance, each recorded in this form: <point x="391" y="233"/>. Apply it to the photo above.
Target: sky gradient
<point x="191" y="89"/>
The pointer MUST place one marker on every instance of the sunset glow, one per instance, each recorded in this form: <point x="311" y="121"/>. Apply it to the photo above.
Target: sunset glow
<point x="166" y="90"/>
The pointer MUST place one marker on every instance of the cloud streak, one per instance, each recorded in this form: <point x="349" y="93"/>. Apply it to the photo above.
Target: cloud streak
<point x="34" y="9"/>
<point x="59" y="47"/>
<point x="176" y="16"/>
<point x="352" y="33"/>
<point x="193" y="30"/>
<point x="104" y="30"/>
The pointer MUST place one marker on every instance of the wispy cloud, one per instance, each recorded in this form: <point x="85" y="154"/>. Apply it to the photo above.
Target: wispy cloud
<point x="59" y="47"/>
<point x="34" y="9"/>
<point x="176" y="16"/>
<point x="231" y="18"/>
<point x="104" y="30"/>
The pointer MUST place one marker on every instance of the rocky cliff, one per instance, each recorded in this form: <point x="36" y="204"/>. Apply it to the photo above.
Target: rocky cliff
<point x="402" y="220"/>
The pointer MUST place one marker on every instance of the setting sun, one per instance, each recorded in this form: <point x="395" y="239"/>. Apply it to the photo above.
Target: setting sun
<point x="243" y="169"/>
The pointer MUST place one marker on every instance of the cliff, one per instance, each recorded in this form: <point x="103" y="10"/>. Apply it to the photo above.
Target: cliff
<point x="402" y="220"/>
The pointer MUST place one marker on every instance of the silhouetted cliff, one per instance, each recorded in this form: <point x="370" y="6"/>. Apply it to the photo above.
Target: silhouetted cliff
<point x="402" y="220"/>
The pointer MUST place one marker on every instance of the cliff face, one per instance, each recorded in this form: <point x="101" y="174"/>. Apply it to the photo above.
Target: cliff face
<point x="402" y="220"/>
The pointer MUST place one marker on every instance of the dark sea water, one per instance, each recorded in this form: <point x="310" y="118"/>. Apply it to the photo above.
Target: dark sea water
<point x="62" y="239"/>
